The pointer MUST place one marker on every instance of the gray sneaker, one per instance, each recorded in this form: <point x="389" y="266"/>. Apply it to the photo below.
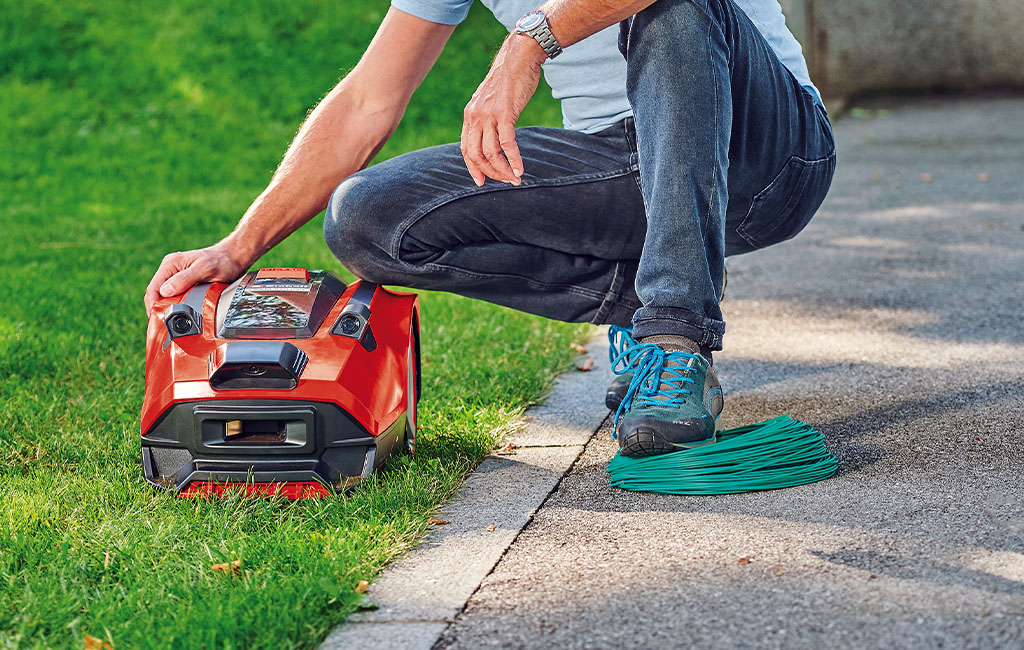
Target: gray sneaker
<point x="620" y="340"/>
<point x="673" y="400"/>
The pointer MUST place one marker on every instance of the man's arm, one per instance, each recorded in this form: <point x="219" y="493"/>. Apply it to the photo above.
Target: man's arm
<point x="488" y="128"/>
<point x="573" y="20"/>
<point x="340" y="137"/>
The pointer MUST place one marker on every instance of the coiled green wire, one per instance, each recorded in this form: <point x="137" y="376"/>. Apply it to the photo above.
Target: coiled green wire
<point x="778" y="453"/>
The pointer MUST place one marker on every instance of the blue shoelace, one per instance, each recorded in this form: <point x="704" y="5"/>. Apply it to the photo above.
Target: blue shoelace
<point x="620" y="340"/>
<point x="650" y="374"/>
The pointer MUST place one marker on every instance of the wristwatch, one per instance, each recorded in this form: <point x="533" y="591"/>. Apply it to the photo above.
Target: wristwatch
<point x="535" y="24"/>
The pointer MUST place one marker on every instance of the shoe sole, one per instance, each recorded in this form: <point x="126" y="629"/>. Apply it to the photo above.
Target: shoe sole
<point x="645" y="441"/>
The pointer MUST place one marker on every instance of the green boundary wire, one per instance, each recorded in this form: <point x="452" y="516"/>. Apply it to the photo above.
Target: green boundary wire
<point x="778" y="453"/>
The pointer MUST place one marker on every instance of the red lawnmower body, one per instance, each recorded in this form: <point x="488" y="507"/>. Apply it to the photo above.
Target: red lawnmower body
<point x="286" y="381"/>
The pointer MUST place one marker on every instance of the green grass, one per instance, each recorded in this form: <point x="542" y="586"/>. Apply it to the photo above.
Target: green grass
<point x="131" y="129"/>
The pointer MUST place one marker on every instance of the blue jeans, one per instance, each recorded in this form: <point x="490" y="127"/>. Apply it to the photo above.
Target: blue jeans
<point x="726" y="154"/>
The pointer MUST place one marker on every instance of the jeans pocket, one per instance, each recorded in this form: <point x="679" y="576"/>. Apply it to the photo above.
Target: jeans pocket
<point x="785" y="207"/>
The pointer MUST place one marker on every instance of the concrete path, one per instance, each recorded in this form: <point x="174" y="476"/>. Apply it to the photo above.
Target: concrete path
<point x="895" y="324"/>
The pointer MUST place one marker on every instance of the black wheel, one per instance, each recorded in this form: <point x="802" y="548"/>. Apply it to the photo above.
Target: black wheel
<point x="411" y="398"/>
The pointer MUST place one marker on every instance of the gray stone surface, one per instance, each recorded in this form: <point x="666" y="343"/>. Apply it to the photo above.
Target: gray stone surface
<point x="574" y="407"/>
<point x="434" y="582"/>
<point x="400" y="636"/>
<point x="895" y="324"/>
<point x="878" y="45"/>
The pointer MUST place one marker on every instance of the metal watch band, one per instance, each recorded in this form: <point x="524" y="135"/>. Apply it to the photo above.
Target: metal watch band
<point x="542" y="34"/>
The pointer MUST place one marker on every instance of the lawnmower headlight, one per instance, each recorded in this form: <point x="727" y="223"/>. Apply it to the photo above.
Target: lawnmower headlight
<point x="181" y="324"/>
<point x="349" y="324"/>
<point x="182" y="320"/>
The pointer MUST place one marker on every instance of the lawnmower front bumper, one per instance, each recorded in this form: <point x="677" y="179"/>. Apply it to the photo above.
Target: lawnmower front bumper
<point x="197" y="444"/>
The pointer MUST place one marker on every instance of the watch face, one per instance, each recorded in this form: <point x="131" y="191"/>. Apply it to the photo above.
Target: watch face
<point x="530" y="21"/>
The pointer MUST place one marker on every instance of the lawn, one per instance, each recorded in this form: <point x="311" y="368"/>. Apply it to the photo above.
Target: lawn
<point x="131" y="129"/>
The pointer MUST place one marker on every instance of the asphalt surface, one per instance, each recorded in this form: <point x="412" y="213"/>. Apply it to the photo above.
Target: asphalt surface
<point x="895" y="325"/>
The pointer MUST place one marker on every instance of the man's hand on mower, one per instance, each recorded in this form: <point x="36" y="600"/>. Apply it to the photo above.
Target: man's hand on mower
<point x="489" y="123"/>
<point x="180" y="271"/>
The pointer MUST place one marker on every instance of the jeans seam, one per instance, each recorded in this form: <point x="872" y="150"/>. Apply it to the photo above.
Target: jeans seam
<point x="705" y="8"/>
<point x="634" y="160"/>
<point x="544" y="286"/>
<point x="611" y="296"/>
<point x="638" y="177"/>
<point x="714" y="72"/>
<point x="403" y="228"/>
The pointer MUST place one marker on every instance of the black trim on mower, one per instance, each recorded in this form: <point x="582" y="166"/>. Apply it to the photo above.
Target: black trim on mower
<point x="259" y="364"/>
<point x="354" y="321"/>
<point x="186" y="318"/>
<point x="262" y="440"/>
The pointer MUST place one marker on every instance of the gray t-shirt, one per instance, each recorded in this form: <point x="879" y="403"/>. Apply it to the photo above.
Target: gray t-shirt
<point x="590" y="77"/>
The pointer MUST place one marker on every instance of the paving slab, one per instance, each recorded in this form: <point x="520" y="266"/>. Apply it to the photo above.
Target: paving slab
<point x="895" y="325"/>
<point x="404" y="635"/>
<point x="574" y="407"/>
<point x="434" y="582"/>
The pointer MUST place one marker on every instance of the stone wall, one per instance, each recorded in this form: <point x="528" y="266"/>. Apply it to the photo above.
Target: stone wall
<point x="884" y="45"/>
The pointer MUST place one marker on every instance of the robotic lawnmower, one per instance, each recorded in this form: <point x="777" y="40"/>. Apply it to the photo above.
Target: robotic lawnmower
<point x="285" y="382"/>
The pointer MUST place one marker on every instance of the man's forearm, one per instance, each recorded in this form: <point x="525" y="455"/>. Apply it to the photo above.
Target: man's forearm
<point x="571" y="21"/>
<point x="343" y="133"/>
<point x="340" y="137"/>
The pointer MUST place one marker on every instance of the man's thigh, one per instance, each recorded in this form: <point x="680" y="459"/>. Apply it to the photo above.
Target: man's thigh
<point x="564" y="244"/>
<point x="703" y="68"/>
<point x="579" y="196"/>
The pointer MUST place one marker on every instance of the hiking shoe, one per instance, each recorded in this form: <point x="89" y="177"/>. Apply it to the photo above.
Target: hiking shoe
<point x="620" y="340"/>
<point x="673" y="399"/>
<point x="617" y="391"/>
<point x="620" y="343"/>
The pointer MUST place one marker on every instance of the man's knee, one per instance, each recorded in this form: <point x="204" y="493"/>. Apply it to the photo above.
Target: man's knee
<point x="358" y="229"/>
<point x="670" y="25"/>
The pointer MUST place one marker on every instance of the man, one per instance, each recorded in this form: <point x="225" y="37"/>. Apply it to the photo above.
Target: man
<point x="703" y="138"/>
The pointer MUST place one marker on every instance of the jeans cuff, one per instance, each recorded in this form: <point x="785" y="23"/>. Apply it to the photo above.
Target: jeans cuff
<point x="675" y="321"/>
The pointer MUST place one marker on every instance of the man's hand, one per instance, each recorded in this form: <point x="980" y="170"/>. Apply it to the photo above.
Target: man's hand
<point x="180" y="271"/>
<point x="489" y="124"/>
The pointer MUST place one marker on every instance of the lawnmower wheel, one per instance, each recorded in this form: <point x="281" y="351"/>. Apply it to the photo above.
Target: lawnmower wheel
<point x="409" y="442"/>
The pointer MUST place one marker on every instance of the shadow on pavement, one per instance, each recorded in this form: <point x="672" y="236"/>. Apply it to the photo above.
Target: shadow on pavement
<point x="921" y="568"/>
